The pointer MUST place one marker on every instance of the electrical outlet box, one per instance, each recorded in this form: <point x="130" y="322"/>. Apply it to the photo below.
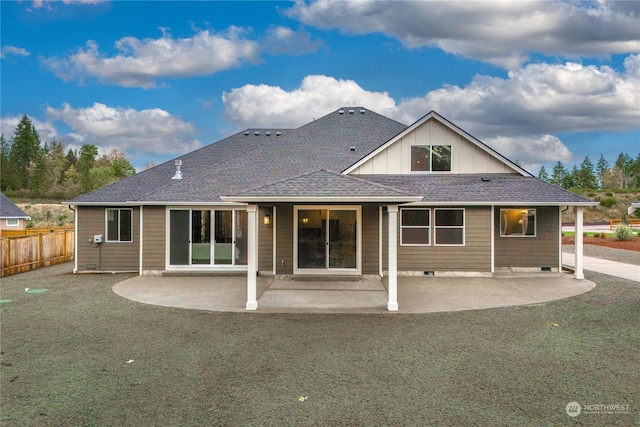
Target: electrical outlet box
<point x="97" y="238"/>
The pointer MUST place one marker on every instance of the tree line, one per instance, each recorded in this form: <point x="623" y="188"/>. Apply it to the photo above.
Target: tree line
<point x="623" y="174"/>
<point x="32" y="169"/>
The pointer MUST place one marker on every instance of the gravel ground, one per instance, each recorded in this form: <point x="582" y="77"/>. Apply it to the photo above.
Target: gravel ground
<point x="602" y="252"/>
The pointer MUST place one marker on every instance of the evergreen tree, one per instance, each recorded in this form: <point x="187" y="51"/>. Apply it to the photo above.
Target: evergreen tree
<point x="572" y="178"/>
<point x="543" y="175"/>
<point x="558" y="175"/>
<point x="85" y="163"/>
<point x="72" y="157"/>
<point x="37" y="174"/>
<point x="601" y="168"/>
<point x="585" y="176"/>
<point x="8" y="176"/>
<point x="24" y="150"/>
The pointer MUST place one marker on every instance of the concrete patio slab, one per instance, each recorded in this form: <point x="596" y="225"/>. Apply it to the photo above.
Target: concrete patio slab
<point x="369" y="295"/>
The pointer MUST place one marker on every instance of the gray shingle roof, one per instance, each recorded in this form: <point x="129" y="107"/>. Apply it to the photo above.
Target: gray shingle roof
<point x="306" y="162"/>
<point x="321" y="184"/>
<point x="8" y="209"/>
<point x="481" y="188"/>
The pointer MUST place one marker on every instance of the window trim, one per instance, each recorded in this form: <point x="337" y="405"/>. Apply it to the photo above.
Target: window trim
<point x="428" y="227"/>
<point x="106" y="225"/>
<point x="535" y="223"/>
<point x="17" y="222"/>
<point x="430" y="147"/>
<point x="463" y="227"/>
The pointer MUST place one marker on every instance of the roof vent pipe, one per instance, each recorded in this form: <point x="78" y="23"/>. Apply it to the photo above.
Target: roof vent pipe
<point x="178" y="174"/>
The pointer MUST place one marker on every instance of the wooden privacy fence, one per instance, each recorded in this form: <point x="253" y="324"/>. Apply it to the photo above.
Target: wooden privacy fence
<point x="632" y="222"/>
<point x="18" y="254"/>
<point x="30" y="231"/>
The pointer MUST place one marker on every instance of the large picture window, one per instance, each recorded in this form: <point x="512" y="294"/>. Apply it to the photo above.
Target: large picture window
<point x="415" y="227"/>
<point x="449" y="227"/>
<point x="431" y="158"/>
<point x="517" y="222"/>
<point x="119" y="225"/>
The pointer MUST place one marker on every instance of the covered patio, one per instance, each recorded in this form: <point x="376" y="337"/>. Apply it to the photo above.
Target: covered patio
<point x="368" y="295"/>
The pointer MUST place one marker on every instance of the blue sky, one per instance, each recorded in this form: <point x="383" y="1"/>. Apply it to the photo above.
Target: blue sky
<point x="539" y="81"/>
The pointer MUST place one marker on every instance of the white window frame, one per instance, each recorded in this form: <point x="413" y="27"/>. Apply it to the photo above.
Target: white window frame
<point x="106" y="225"/>
<point x="535" y="223"/>
<point x="9" y="224"/>
<point x="403" y="227"/>
<point x="463" y="227"/>
<point x="430" y="147"/>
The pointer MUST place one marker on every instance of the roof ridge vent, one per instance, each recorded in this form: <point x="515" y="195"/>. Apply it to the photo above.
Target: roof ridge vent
<point x="246" y="132"/>
<point x="362" y="111"/>
<point x="268" y="133"/>
<point x="352" y="111"/>
<point x="178" y="174"/>
<point x="278" y="133"/>
<point x="340" y="111"/>
<point x="256" y="133"/>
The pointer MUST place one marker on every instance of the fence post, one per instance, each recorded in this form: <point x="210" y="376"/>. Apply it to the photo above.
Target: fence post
<point x="64" y="246"/>
<point x="40" y="252"/>
<point x="8" y="256"/>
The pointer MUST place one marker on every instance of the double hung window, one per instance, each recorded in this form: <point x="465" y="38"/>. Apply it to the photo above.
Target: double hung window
<point x="119" y="225"/>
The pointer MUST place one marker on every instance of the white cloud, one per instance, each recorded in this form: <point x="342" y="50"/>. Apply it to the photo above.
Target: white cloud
<point x="13" y="50"/>
<point x="151" y="131"/>
<point x="271" y="106"/>
<point x="39" y="4"/>
<point x="140" y="63"/>
<point x="518" y="115"/>
<point x="285" y="40"/>
<point x="503" y="33"/>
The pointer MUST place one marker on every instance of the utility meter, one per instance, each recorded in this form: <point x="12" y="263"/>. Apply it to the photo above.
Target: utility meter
<point x="97" y="238"/>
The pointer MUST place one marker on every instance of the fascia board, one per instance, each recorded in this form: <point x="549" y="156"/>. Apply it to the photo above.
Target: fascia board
<point x="502" y="203"/>
<point x="298" y="199"/>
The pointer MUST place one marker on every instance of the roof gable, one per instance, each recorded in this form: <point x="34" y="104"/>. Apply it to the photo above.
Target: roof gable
<point x="469" y="155"/>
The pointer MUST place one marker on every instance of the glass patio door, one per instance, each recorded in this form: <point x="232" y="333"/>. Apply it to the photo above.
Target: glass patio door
<point x="327" y="238"/>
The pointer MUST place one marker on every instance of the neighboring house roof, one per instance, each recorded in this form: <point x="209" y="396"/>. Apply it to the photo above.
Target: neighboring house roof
<point x="636" y="204"/>
<point x="311" y="163"/>
<point x="8" y="209"/>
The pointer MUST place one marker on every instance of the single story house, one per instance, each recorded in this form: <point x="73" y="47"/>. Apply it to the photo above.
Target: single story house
<point x="11" y="216"/>
<point x="352" y="193"/>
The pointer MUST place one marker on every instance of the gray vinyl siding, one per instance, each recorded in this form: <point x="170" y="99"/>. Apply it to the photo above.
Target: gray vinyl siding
<point x="109" y="256"/>
<point x="539" y="251"/>
<point x="284" y="239"/>
<point x="265" y="240"/>
<point x="370" y="246"/>
<point x="475" y="255"/>
<point x="154" y="238"/>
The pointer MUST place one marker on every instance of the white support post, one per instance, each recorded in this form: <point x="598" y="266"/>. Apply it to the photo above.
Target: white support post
<point x="252" y="264"/>
<point x="579" y="273"/>
<point x="392" y="303"/>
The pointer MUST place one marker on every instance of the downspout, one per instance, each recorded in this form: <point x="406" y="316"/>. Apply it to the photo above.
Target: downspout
<point x="75" y="239"/>
<point x="141" y="245"/>
<point x="380" y="241"/>
<point x="493" y="240"/>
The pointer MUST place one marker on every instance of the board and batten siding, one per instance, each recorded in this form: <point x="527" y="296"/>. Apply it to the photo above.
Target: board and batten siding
<point x="531" y="252"/>
<point x="467" y="157"/>
<point x="265" y="240"/>
<point x="154" y="238"/>
<point x="108" y="256"/>
<point x="474" y="256"/>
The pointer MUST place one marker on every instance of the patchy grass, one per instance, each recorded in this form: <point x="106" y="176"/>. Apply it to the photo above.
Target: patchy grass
<point x="80" y="355"/>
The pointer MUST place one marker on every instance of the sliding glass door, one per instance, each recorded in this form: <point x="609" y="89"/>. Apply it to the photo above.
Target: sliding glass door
<point x="327" y="238"/>
<point x="207" y="237"/>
